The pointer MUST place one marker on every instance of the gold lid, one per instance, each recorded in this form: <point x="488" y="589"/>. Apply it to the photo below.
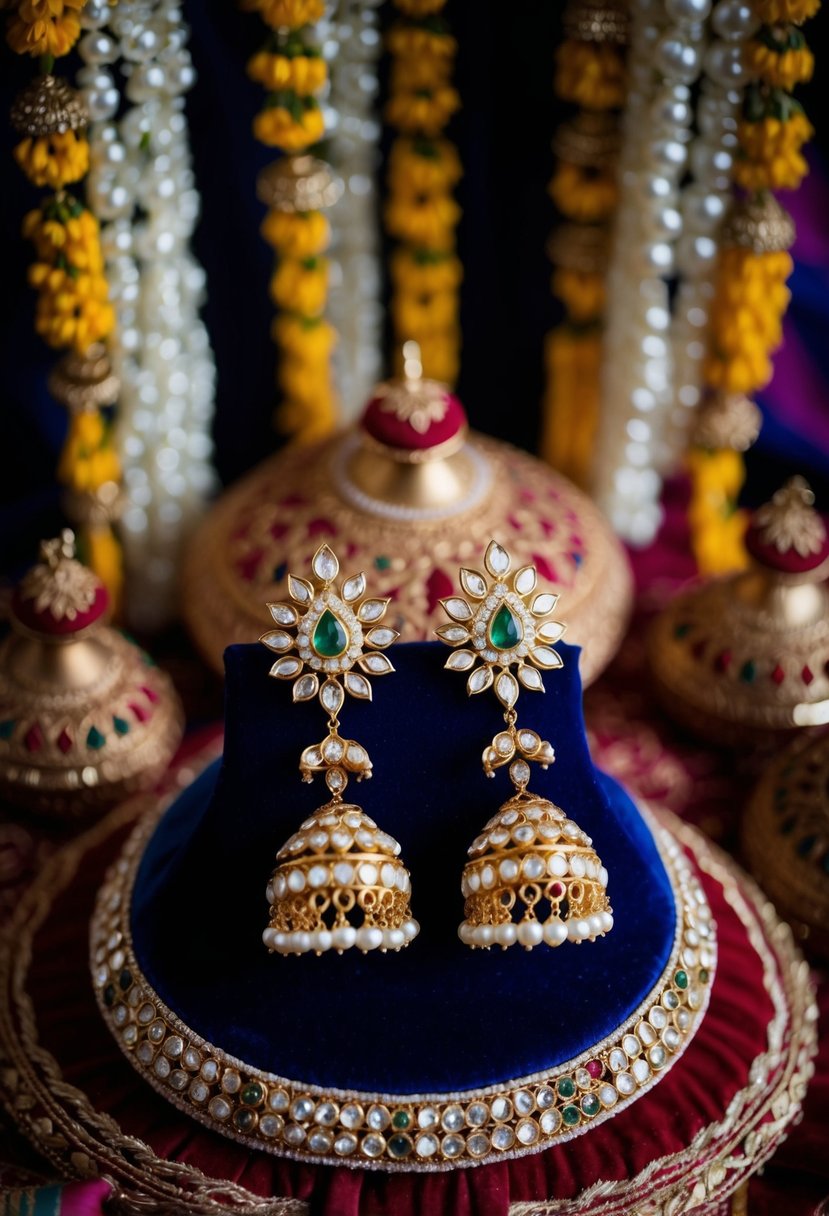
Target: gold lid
<point x="298" y="183"/>
<point x="84" y="382"/>
<point x="596" y="21"/>
<point x="48" y="106"/>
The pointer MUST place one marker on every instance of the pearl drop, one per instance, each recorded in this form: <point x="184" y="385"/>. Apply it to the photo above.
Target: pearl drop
<point x="688" y="10"/>
<point x="146" y="81"/>
<point x="734" y="20"/>
<point x="677" y="58"/>
<point x="669" y="154"/>
<point x="555" y="931"/>
<point x="505" y="935"/>
<point x="94" y="14"/>
<point x="142" y="43"/>
<point x="671" y="111"/>
<point x="704" y="209"/>
<point x="530" y="933"/>
<point x="343" y="937"/>
<point x="724" y="63"/>
<point x="97" y="47"/>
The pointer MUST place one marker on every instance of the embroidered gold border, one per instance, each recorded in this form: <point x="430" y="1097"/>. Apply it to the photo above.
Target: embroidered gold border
<point x="63" y="1124"/>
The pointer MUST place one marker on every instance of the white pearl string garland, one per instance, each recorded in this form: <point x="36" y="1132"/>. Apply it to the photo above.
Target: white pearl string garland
<point x="141" y="187"/>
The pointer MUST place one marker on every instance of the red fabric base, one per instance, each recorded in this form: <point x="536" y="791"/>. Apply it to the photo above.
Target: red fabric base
<point x="663" y="1122"/>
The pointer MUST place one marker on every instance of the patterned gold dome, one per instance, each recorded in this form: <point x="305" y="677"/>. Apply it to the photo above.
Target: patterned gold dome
<point x="409" y="495"/>
<point x="739" y="658"/>
<point x="786" y="838"/>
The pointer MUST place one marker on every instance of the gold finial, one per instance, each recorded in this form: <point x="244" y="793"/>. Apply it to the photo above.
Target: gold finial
<point x="789" y="521"/>
<point x="52" y="551"/>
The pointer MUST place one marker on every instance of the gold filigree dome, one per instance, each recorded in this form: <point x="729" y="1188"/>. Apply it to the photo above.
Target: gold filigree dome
<point x="789" y="521"/>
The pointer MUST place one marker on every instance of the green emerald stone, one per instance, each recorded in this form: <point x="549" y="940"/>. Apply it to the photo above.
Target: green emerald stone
<point x="505" y="632"/>
<point x="747" y="672"/>
<point x="681" y="979"/>
<point x="570" y="1115"/>
<point x="330" y="638"/>
<point x="400" y="1146"/>
<point x="121" y="726"/>
<point x="703" y="975"/>
<point x="244" y="1120"/>
<point x="7" y="728"/>
<point x="95" y="739"/>
<point x="401" y="1119"/>
<point x="590" y="1104"/>
<point x="566" y="1087"/>
<point x="252" y="1094"/>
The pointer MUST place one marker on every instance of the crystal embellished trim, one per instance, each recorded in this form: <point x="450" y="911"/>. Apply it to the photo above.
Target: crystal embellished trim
<point x="413" y="1131"/>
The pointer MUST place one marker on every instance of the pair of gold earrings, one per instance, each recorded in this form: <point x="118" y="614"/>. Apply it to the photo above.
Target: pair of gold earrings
<point x="532" y="876"/>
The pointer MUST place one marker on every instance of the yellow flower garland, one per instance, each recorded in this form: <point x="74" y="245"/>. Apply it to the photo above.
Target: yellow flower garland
<point x="73" y="310"/>
<point x="294" y="72"/>
<point x="589" y="74"/>
<point x="423" y="169"/>
<point x="750" y="296"/>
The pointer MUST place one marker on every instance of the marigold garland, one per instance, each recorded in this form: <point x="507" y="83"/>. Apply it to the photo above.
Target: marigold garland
<point x="750" y="299"/>
<point x="589" y="73"/>
<point x="423" y="169"/>
<point x="73" y="311"/>
<point x="291" y="67"/>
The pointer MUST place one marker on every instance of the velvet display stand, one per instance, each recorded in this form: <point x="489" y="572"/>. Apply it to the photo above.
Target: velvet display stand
<point x="473" y="1016"/>
<point x="684" y="1146"/>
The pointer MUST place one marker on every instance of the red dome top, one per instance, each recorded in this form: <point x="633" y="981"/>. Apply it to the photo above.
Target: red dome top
<point x="59" y="596"/>
<point x="787" y="534"/>
<point x="413" y="415"/>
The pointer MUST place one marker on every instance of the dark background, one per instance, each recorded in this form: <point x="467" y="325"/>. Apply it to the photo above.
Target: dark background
<point x="504" y="73"/>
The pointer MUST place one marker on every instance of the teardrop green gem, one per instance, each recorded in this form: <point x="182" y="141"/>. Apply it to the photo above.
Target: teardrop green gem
<point x="330" y="638"/>
<point x="506" y="631"/>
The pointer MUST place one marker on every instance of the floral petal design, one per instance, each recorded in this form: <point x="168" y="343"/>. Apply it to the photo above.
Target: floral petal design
<point x="300" y="589"/>
<point x="530" y="678"/>
<point x="496" y="560"/>
<point x="284" y="614"/>
<point x="546" y="658"/>
<point x="332" y="697"/>
<point x="354" y="587"/>
<point x="375" y="664"/>
<point x="544" y="604"/>
<point x="457" y="608"/>
<point x="460" y="660"/>
<point x="506" y="689"/>
<point x="473" y="583"/>
<point x="525" y="580"/>
<point x="371" y="611"/>
<point x="550" y="631"/>
<point x="382" y="637"/>
<point x="277" y="640"/>
<point x="453" y="634"/>
<point x="357" y="685"/>
<point x="306" y="687"/>
<point x="286" y="668"/>
<point x="325" y="564"/>
<point x="479" y="680"/>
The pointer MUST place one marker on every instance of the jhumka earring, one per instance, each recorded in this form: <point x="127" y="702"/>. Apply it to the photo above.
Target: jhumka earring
<point x="533" y="875"/>
<point x="338" y="882"/>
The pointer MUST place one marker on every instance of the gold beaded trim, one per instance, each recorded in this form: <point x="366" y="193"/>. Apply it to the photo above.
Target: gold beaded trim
<point x="432" y="1131"/>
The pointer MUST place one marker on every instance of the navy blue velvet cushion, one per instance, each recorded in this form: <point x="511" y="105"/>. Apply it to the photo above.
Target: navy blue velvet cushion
<point x="437" y="1016"/>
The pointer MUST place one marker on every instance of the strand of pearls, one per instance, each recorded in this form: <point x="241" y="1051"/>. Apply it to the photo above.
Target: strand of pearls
<point x="705" y="202"/>
<point x="355" y="308"/>
<point x="142" y="188"/>
<point x="664" y="61"/>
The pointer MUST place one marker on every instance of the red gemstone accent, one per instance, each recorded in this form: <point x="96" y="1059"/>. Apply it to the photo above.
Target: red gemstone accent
<point x="557" y="890"/>
<point x="547" y="527"/>
<point x="278" y="530"/>
<point x="64" y="741"/>
<point x="321" y="527"/>
<point x="594" y="1067"/>
<point x="778" y="675"/>
<point x="150" y="694"/>
<point x="545" y="568"/>
<point x="515" y="523"/>
<point x="807" y="675"/>
<point x="723" y="661"/>
<point x="33" y="738"/>
<point x="438" y="586"/>
<point x="140" y="712"/>
<point x="248" y="565"/>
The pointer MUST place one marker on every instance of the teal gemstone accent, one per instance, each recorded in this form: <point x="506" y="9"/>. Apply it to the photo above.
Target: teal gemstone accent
<point x="681" y="979"/>
<point x="566" y="1087"/>
<point x="121" y="726"/>
<point x="401" y="1119"/>
<point x="244" y="1120"/>
<point x="382" y="563"/>
<point x="252" y="1094"/>
<point x="400" y="1145"/>
<point x="330" y="638"/>
<point x="505" y="631"/>
<point x="570" y="1115"/>
<point x="703" y="975"/>
<point x="95" y="739"/>
<point x="747" y="672"/>
<point x="681" y="631"/>
<point x="7" y="728"/>
<point x="590" y="1104"/>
